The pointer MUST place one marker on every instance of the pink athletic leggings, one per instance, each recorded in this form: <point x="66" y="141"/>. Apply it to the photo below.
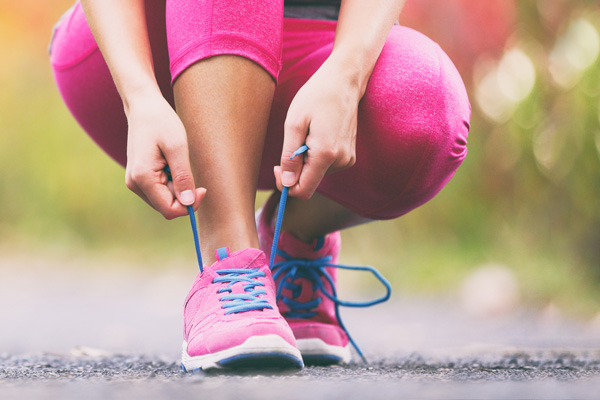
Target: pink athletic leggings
<point x="412" y="122"/>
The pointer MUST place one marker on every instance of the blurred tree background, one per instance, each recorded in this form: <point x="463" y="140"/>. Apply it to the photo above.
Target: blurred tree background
<point x="527" y="196"/>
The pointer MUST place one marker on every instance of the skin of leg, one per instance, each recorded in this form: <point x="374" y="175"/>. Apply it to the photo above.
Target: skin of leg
<point x="224" y="103"/>
<point x="317" y="216"/>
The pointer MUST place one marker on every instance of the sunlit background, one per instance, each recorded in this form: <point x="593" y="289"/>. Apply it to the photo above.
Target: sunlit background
<point x="520" y="220"/>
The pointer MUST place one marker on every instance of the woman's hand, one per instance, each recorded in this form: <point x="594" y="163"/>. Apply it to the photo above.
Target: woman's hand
<point x="323" y="115"/>
<point x="157" y="138"/>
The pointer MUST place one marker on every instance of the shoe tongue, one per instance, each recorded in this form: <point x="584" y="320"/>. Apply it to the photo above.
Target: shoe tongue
<point x="241" y="259"/>
<point x="298" y="249"/>
<point x="289" y="243"/>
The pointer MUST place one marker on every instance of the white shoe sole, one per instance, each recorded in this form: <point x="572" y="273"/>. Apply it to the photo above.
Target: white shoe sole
<point x="267" y="351"/>
<point x="316" y="351"/>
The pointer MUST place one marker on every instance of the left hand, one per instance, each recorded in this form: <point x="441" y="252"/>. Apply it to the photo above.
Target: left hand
<point x="322" y="115"/>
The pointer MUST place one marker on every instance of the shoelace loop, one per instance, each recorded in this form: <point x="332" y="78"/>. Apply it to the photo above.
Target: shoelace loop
<point x="292" y="269"/>
<point x="247" y="301"/>
<point x="314" y="270"/>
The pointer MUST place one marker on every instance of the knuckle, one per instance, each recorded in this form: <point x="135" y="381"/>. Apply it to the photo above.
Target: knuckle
<point x="304" y="195"/>
<point x="329" y="154"/>
<point x="138" y="177"/>
<point x="293" y="125"/>
<point x="287" y="161"/>
<point x="345" y="160"/>
<point x="352" y="160"/>
<point x="286" y="154"/>
<point x="131" y="186"/>
<point x="129" y="182"/>
<point x="182" y="177"/>
<point x="168" y="214"/>
<point x="174" y="145"/>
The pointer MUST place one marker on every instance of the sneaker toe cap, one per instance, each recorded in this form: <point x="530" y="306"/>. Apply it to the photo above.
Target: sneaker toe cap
<point x="225" y="336"/>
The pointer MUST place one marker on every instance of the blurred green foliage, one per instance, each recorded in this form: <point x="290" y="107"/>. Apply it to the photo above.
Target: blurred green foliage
<point x="527" y="195"/>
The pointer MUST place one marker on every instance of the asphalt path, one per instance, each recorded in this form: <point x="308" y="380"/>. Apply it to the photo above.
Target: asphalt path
<point x="95" y="331"/>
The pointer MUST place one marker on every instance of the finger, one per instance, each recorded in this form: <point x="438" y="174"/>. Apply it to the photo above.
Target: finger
<point x="162" y="199"/>
<point x="341" y="164"/>
<point x="170" y="187"/>
<point x="135" y="189"/>
<point x="277" y="173"/>
<point x="178" y="159"/>
<point x="294" y="136"/>
<point x="315" y="167"/>
<point x="200" y="193"/>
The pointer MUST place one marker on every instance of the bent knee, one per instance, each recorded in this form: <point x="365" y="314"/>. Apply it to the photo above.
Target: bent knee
<point x="412" y="129"/>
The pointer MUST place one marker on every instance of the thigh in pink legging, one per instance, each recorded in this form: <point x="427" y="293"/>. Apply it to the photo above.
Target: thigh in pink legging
<point x="412" y="122"/>
<point x="86" y="85"/>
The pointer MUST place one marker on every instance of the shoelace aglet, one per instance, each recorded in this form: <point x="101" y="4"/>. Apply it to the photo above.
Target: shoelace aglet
<point x="363" y="358"/>
<point x="300" y="150"/>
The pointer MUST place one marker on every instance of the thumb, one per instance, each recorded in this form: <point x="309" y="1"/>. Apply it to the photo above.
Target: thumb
<point x="291" y="166"/>
<point x="181" y="175"/>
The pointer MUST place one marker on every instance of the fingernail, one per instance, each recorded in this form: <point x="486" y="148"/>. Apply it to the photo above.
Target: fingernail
<point x="187" y="197"/>
<point x="288" y="178"/>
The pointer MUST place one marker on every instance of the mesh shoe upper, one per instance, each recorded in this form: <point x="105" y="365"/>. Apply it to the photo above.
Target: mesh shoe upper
<point x="308" y="311"/>
<point x="213" y="316"/>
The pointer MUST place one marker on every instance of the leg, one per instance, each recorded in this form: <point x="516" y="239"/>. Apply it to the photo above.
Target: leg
<point x="412" y="128"/>
<point x="223" y="85"/>
<point x="230" y="317"/>
<point x="224" y="58"/>
<point x="412" y="131"/>
<point x="226" y="119"/>
<point x="88" y="90"/>
<point x="318" y="216"/>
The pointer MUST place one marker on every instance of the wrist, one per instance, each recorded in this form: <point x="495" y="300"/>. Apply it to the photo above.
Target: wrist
<point x="138" y="93"/>
<point x="350" y="69"/>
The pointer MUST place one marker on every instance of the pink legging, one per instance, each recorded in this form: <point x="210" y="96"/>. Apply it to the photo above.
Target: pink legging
<point x="412" y="122"/>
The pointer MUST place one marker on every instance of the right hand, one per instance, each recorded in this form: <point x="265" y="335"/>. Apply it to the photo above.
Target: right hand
<point x="157" y="138"/>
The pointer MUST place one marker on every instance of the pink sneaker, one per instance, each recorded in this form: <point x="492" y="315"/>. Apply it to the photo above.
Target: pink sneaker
<point x="305" y="276"/>
<point x="311" y="314"/>
<point x="231" y="319"/>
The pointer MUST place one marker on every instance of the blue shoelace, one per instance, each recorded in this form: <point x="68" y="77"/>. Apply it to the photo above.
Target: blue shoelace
<point x="289" y="271"/>
<point x="249" y="301"/>
<point x="232" y="303"/>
